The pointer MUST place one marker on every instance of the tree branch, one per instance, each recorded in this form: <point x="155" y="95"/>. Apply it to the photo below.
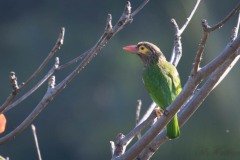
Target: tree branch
<point x="52" y="92"/>
<point x="36" y="141"/>
<point x="221" y="23"/>
<point x="37" y="86"/>
<point x="125" y="140"/>
<point x="192" y="105"/>
<point x="17" y="89"/>
<point x="196" y="100"/>
<point x="177" y="47"/>
<point x="217" y="69"/>
<point x="198" y="58"/>
<point x="56" y="48"/>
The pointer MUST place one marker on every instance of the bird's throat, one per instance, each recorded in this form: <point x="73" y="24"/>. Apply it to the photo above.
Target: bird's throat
<point x="143" y="58"/>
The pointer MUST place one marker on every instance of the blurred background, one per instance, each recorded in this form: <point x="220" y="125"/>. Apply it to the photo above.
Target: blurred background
<point x="101" y="101"/>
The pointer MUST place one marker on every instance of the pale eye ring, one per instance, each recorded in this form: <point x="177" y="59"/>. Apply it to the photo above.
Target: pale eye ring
<point x="141" y="48"/>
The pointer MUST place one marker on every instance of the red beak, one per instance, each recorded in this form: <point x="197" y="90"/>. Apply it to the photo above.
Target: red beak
<point x="131" y="49"/>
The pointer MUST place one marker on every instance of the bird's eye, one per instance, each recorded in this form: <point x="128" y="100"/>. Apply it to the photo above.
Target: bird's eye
<point x="142" y="48"/>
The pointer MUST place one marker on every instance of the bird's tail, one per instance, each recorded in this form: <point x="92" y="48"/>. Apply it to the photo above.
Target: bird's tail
<point x="173" y="128"/>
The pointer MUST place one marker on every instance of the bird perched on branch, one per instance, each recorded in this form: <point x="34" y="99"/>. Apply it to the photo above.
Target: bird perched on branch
<point x="160" y="78"/>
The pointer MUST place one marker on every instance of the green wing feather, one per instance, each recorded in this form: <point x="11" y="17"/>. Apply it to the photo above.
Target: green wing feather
<point x="163" y="84"/>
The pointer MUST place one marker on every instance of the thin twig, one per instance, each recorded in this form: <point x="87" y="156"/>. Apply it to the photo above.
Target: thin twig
<point x="15" y="88"/>
<point x="36" y="141"/>
<point x="221" y="23"/>
<point x="8" y="104"/>
<point x="53" y="92"/>
<point x="211" y="66"/>
<point x="138" y="111"/>
<point x="82" y="56"/>
<point x="191" y="106"/>
<point x="235" y="29"/>
<point x="238" y="25"/>
<point x="198" y="58"/>
<point x="57" y="47"/>
<point x="125" y="140"/>
<point x="13" y="82"/>
<point x="108" y="28"/>
<point x="75" y="60"/>
<point x="140" y="8"/>
<point x="148" y="112"/>
<point x="190" y="17"/>
<point x="177" y="47"/>
<point x="135" y="150"/>
<point x="189" y="88"/>
<point x="27" y="94"/>
<point x="48" y="97"/>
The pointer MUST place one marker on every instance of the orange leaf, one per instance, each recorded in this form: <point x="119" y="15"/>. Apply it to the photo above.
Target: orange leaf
<point x="3" y="122"/>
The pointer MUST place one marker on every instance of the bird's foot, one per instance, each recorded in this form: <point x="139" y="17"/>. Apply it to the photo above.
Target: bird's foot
<point x="158" y="112"/>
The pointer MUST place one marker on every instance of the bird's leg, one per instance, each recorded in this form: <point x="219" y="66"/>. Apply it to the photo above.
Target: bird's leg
<point x="159" y="112"/>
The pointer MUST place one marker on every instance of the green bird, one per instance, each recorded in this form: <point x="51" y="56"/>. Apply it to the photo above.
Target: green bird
<point x="161" y="79"/>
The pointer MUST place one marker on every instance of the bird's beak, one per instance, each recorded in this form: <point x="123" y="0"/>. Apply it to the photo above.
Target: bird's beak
<point x="131" y="49"/>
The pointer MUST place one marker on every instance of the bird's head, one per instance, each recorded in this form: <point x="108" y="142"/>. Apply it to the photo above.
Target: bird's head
<point x="148" y="52"/>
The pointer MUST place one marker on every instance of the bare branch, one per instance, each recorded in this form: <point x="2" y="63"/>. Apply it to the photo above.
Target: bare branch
<point x="7" y="102"/>
<point x="148" y="112"/>
<point x="13" y="82"/>
<point x="7" y="105"/>
<point x="235" y="29"/>
<point x="140" y="8"/>
<point x="109" y="24"/>
<point x="42" y="104"/>
<point x="215" y="78"/>
<point x="135" y="150"/>
<point x="88" y="56"/>
<point x="198" y="58"/>
<point x="51" y="82"/>
<point x="221" y="23"/>
<point x="138" y="110"/>
<point x="127" y="11"/>
<point x="36" y="141"/>
<point x="15" y="88"/>
<point x="192" y="105"/>
<point x="57" y="47"/>
<point x="27" y="94"/>
<point x="238" y="25"/>
<point x="227" y="52"/>
<point x="190" y="17"/>
<point x="187" y="92"/>
<point x="112" y="144"/>
<point x="119" y="148"/>
<point x="177" y="48"/>
<point x="125" y="140"/>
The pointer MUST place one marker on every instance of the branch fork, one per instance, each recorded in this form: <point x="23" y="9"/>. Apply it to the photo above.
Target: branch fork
<point x="191" y="97"/>
<point x="53" y="88"/>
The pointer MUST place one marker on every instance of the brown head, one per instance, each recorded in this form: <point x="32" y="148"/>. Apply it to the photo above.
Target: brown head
<point x="148" y="52"/>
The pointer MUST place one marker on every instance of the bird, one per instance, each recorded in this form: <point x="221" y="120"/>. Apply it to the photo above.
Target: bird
<point x="160" y="78"/>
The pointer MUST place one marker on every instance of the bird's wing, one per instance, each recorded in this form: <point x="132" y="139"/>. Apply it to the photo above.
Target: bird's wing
<point x="172" y="73"/>
<point x="159" y="85"/>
